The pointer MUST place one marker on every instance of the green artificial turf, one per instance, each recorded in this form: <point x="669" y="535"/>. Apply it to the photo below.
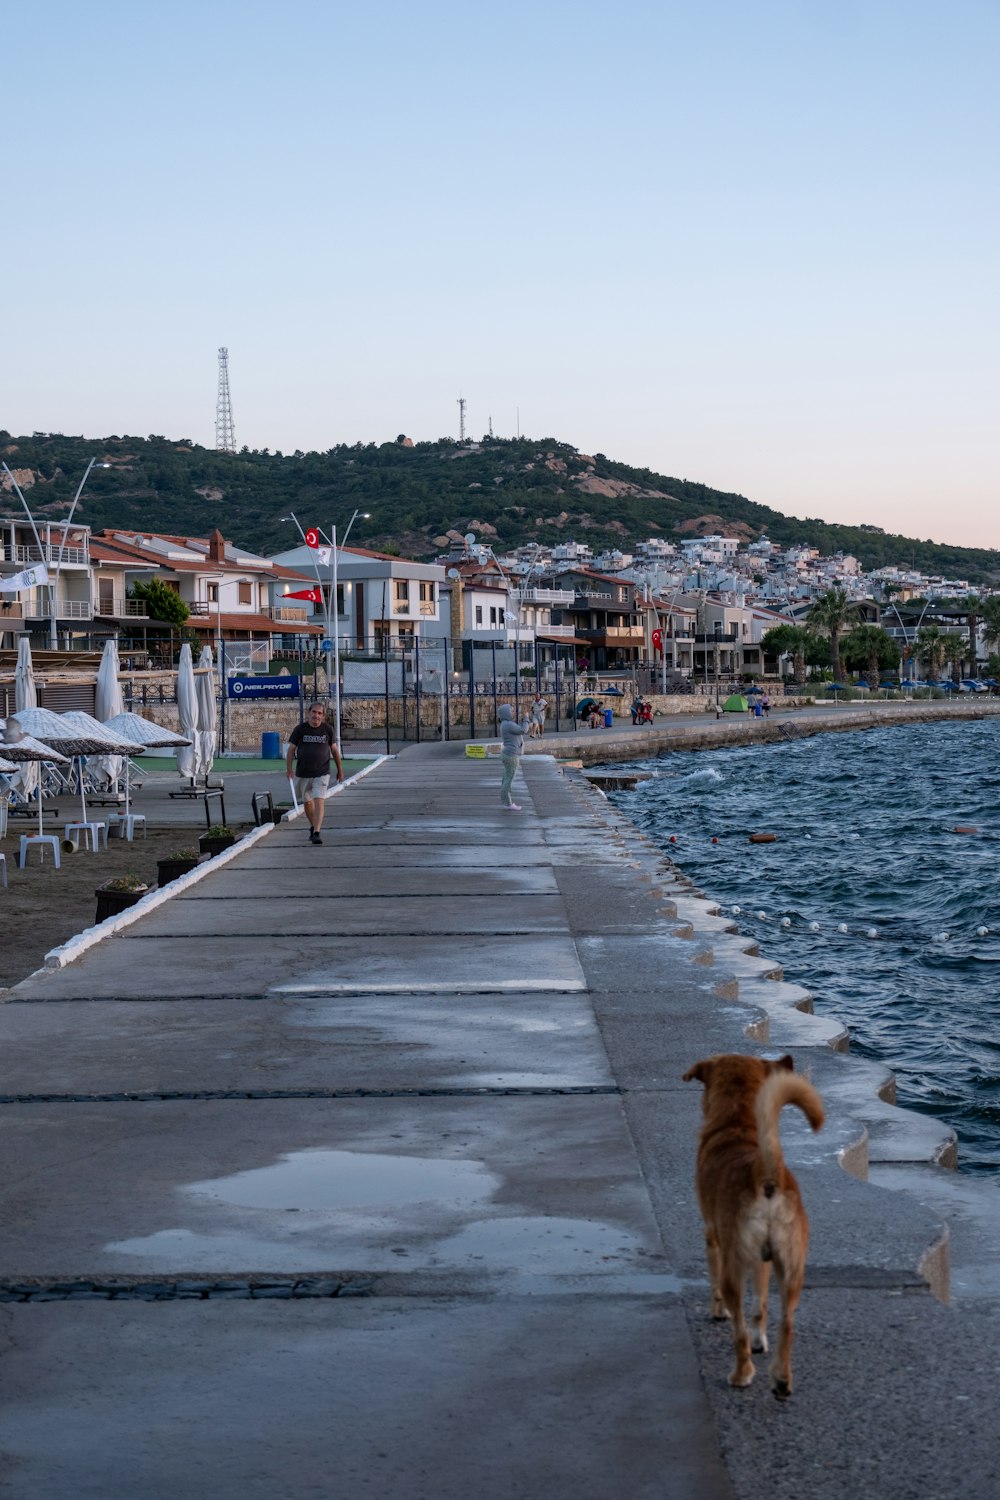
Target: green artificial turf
<point x="231" y="764"/>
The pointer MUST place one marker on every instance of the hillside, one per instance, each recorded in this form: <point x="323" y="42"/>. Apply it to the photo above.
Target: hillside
<point x="508" y="490"/>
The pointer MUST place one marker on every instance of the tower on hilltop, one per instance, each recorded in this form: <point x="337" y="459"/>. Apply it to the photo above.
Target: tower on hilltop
<point x="225" y="435"/>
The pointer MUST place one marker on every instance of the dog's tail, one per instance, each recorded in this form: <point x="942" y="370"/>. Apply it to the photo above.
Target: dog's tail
<point x="777" y="1090"/>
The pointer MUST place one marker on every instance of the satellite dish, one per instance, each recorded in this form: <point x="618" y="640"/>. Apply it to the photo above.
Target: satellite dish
<point x="454" y="573"/>
<point x="470" y="539"/>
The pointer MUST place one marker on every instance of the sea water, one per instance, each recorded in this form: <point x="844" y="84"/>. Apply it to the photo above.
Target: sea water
<point x="865" y="841"/>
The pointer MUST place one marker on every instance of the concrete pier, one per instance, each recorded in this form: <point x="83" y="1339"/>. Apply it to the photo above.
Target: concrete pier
<point x="367" y="1170"/>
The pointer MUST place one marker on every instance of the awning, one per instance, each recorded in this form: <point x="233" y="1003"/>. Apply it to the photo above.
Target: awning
<point x="563" y="640"/>
<point x="254" y="624"/>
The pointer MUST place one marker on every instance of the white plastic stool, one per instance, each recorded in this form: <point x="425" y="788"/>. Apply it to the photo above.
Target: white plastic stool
<point x="126" y="824"/>
<point x="90" y="833"/>
<point x="39" y="841"/>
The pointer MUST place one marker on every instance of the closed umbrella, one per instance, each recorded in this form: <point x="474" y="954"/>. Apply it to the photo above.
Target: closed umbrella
<point x="145" y="735"/>
<point x="188" y="756"/>
<point x="108" y="701"/>
<point x="25" y="696"/>
<point x="206" y="710"/>
<point x="25" y="750"/>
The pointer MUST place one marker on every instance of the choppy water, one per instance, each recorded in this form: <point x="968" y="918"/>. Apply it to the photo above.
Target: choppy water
<point x="865" y="839"/>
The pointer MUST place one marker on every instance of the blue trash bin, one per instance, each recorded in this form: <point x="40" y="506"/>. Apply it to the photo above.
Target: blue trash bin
<point x="270" y="745"/>
<point x="609" y="718"/>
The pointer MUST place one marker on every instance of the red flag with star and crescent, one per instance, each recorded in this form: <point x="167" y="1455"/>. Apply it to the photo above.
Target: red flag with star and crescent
<point x="313" y="595"/>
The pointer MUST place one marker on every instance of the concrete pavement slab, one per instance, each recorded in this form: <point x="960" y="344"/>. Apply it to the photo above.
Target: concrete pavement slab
<point x="463" y="1187"/>
<point x="134" y="967"/>
<point x="115" y="1047"/>
<point x="487" y="879"/>
<point x="296" y="915"/>
<point x="573" y="1398"/>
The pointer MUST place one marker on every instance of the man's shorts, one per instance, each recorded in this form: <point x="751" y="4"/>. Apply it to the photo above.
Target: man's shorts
<point x="310" y="788"/>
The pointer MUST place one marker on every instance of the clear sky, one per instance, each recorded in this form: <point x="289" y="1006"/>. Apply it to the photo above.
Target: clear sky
<point x="752" y="245"/>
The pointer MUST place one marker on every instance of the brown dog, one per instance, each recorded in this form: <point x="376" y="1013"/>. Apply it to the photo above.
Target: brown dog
<point x="750" y="1201"/>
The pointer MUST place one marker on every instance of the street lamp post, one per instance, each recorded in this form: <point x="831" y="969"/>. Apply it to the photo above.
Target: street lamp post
<point x="331" y="610"/>
<point x="53" y="582"/>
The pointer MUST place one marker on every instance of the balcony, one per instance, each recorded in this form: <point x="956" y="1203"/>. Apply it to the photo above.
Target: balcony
<point x="121" y="608"/>
<point x="285" y="612"/>
<point x="66" y="609"/>
<point x="401" y="606"/>
<point x="428" y="607"/>
<point x="563" y="597"/>
<point x="562" y="632"/>
<point x="25" y="556"/>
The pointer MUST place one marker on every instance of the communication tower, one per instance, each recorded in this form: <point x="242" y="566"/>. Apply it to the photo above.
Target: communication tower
<point x="225" y="435"/>
<point x="461" y="419"/>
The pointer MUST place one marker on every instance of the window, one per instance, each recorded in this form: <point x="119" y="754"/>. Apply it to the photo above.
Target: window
<point x="494" y="615"/>
<point x="479" y="614"/>
<point x="245" y="593"/>
<point x="213" y="593"/>
<point x="402" y="590"/>
<point x="427" y="593"/>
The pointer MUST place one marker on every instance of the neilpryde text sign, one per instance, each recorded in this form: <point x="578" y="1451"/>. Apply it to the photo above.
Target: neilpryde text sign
<point x="262" y="687"/>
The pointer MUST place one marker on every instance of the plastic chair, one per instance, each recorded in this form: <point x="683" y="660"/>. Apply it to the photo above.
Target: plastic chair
<point x="89" y="833"/>
<point x="39" y="841"/>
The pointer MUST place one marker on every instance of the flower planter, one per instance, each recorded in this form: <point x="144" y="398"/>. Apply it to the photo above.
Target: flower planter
<point x="113" y="903"/>
<point x="173" y="869"/>
<point x="215" y="843"/>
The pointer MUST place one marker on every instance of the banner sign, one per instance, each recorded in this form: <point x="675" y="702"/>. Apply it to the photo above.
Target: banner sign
<point x="262" y="687"/>
<point x="31" y="578"/>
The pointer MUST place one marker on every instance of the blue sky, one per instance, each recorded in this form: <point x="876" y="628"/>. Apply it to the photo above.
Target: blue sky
<point x="749" y="245"/>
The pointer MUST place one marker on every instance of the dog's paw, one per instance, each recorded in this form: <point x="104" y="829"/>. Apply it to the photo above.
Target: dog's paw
<point x="781" y="1387"/>
<point x="742" y="1377"/>
<point x="758" y="1341"/>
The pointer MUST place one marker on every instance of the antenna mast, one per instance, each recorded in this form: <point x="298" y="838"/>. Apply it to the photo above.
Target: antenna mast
<point x="461" y="419"/>
<point x="225" y="435"/>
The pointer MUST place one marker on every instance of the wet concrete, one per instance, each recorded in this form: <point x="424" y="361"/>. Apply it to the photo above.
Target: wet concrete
<point x="448" y="1243"/>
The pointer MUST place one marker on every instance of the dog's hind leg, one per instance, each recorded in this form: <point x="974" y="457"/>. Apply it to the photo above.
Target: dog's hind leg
<point x="732" y="1296"/>
<point x="790" y="1280"/>
<point x="714" y="1274"/>
<point x="758" y="1318"/>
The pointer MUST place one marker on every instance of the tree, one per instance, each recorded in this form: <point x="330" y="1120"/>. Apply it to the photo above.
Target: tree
<point x="162" y="602"/>
<point x="989" y="614"/>
<point x="929" y="650"/>
<point x="953" y="652"/>
<point x="870" y="649"/>
<point x="788" y="640"/>
<point x="832" y="612"/>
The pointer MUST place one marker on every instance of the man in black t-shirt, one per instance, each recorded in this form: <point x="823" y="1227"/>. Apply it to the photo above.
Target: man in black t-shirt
<point x="311" y="745"/>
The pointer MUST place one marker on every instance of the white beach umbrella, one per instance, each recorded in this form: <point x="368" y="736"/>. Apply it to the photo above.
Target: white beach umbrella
<point x="108" y="701"/>
<point x="188" y="756"/>
<point x="145" y="735"/>
<point x="25" y="696"/>
<point x="207" y="717"/>
<point x="23" y="748"/>
<point x="76" y="734"/>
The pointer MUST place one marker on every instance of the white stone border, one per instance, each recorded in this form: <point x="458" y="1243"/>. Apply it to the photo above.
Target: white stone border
<point x="58" y="958"/>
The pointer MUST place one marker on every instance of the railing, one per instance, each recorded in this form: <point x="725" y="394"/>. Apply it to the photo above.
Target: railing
<point x="544" y="596"/>
<point x="136" y="608"/>
<point x="428" y="607"/>
<point x="401" y="606"/>
<point x="50" y="554"/>
<point x="285" y="612"/>
<point x="566" y="632"/>
<point x="66" y="609"/>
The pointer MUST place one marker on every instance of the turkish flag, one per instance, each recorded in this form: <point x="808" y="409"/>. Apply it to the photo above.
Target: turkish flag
<point x="313" y="595"/>
<point x="657" y="640"/>
<point x="312" y="537"/>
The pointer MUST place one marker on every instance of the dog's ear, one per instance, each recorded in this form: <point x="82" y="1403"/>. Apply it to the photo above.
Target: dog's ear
<point x="700" y="1072"/>
<point x="784" y="1064"/>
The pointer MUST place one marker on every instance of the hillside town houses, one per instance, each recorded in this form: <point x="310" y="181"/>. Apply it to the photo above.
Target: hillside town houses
<point x="696" y="606"/>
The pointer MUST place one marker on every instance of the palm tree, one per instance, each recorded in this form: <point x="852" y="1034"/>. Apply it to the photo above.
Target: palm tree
<point x="870" y="648"/>
<point x="989" y="614"/>
<point x="973" y="607"/>
<point x="953" y="652"/>
<point x="833" y="612"/>
<point x="788" y="640"/>
<point x="930" y="647"/>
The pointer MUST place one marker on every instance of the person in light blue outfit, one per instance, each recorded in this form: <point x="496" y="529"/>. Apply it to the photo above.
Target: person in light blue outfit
<point x="511" y="749"/>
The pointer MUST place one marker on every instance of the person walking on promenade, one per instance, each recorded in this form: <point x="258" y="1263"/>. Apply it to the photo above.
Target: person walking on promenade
<point x="511" y="749"/>
<point x="539" y="708"/>
<point x="312" y="744"/>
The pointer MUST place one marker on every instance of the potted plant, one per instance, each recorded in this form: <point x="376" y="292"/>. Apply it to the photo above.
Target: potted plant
<point x="173" y="866"/>
<point x="217" y="838"/>
<point x="117" y="895"/>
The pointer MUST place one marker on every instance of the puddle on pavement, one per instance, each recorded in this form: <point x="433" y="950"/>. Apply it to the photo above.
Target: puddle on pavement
<point x="353" y="1180"/>
<point x="555" y="1246"/>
